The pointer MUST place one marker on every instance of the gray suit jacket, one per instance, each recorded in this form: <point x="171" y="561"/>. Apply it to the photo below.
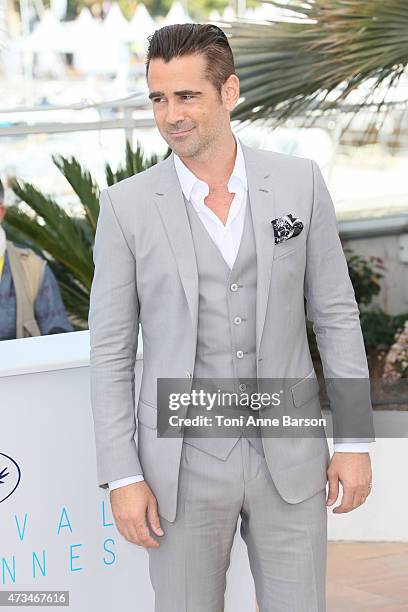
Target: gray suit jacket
<point x="145" y="272"/>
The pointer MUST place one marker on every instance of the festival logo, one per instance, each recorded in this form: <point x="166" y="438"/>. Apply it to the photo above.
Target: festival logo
<point x="10" y="475"/>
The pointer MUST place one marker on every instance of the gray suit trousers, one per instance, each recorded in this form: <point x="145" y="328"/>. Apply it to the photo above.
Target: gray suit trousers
<point x="287" y="543"/>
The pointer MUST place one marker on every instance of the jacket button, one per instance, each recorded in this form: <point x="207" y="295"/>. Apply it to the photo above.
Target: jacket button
<point x="240" y="354"/>
<point x="237" y="320"/>
<point x="234" y="287"/>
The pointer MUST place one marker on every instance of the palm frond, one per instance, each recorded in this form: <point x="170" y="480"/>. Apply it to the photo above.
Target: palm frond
<point x="316" y="57"/>
<point x="135" y="161"/>
<point x="66" y="240"/>
<point x="83" y="185"/>
<point x="52" y="230"/>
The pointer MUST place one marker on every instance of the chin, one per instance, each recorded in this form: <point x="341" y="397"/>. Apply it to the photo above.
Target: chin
<point x="181" y="151"/>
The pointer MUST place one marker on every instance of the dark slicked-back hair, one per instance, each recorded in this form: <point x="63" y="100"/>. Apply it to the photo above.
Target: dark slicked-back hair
<point x="189" y="38"/>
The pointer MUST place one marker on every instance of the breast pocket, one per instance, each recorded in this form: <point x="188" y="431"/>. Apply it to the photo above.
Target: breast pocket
<point x="292" y="245"/>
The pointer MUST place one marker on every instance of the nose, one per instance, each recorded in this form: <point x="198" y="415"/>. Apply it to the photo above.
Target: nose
<point x="174" y="113"/>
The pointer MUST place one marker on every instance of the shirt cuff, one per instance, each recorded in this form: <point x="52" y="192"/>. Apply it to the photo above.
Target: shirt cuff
<point x="122" y="482"/>
<point x="351" y="447"/>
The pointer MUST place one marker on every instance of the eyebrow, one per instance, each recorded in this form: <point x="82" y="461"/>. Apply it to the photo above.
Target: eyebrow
<point x="183" y="92"/>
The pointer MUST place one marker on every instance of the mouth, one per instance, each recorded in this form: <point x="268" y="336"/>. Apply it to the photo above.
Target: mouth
<point x="183" y="133"/>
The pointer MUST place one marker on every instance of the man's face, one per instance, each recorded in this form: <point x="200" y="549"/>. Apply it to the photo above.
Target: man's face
<point x="188" y="110"/>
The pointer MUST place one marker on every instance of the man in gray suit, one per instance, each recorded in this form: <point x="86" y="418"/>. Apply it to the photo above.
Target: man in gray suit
<point x="188" y="249"/>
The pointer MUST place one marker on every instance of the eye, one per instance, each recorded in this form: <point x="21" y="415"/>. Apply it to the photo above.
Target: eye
<point x="188" y="97"/>
<point x="155" y="100"/>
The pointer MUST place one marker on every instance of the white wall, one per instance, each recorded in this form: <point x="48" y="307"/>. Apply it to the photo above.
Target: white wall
<point x="57" y="511"/>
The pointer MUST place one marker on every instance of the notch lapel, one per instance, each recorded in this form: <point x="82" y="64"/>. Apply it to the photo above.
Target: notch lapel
<point x="170" y="203"/>
<point x="262" y="203"/>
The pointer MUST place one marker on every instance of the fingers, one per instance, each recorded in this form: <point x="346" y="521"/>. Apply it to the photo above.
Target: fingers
<point x="139" y="534"/>
<point x="153" y="517"/>
<point x="347" y="501"/>
<point x="333" y="492"/>
<point x="361" y="495"/>
<point x="359" y="500"/>
<point x="353" y="471"/>
<point x="135" y="530"/>
<point x="131" y="520"/>
<point x="353" y="497"/>
<point x="131" y="506"/>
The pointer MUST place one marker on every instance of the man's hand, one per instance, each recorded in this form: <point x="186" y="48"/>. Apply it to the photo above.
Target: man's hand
<point x="130" y="505"/>
<point x="353" y="470"/>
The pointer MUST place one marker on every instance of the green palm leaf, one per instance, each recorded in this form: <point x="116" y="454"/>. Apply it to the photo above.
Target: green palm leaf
<point x="51" y="229"/>
<point x="314" y="62"/>
<point x="135" y="161"/>
<point x="66" y="240"/>
<point x="83" y="185"/>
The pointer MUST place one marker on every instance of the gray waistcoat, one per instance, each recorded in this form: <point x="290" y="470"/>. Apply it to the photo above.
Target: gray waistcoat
<point x="226" y="335"/>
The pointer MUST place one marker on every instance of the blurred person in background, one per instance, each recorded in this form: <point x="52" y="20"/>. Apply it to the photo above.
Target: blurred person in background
<point x="30" y="299"/>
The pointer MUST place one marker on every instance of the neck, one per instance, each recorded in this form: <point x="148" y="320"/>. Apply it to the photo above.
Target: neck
<point x="216" y="164"/>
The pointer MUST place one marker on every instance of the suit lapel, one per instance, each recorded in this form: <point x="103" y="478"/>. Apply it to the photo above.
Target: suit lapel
<point x="170" y="203"/>
<point x="262" y="203"/>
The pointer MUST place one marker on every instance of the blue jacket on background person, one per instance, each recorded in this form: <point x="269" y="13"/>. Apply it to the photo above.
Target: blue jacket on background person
<point x="49" y="309"/>
<point x="30" y="299"/>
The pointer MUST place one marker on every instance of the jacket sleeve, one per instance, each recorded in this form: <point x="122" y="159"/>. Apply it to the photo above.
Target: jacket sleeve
<point x="332" y="307"/>
<point x="113" y="324"/>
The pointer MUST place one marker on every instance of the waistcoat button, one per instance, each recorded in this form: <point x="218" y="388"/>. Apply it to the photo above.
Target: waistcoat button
<point x="234" y="287"/>
<point x="237" y="320"/>
<point x="240" y="354"/>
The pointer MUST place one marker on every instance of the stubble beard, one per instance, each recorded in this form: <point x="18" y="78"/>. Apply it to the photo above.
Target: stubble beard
<point x="199" y="148"/>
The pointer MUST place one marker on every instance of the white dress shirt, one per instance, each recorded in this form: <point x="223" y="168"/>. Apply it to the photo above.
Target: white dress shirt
<point x="227" y="238"/>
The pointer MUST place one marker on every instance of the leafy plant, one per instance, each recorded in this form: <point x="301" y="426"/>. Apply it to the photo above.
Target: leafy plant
<point x="380" y="328"/>
<point x="365" y="274"/>
<point x="309" y="61"/>
<point x="64" y="240"/>
<point x="135" y="162"/>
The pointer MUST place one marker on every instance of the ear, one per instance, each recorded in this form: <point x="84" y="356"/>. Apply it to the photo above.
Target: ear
<point x="230" y="92"/>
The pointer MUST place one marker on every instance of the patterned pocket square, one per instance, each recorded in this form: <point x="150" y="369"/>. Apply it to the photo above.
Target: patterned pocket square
<point x="286" y="227"/>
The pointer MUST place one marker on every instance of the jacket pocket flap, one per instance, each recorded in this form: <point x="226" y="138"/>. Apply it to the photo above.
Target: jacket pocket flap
<point x="147" y="414"/>
<point x="304" y="390"/>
